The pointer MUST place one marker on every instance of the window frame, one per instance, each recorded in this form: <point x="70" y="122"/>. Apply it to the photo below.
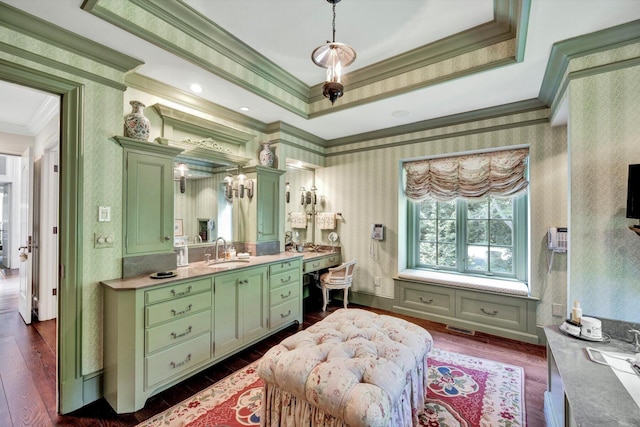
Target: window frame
<point x="520" y="243"/>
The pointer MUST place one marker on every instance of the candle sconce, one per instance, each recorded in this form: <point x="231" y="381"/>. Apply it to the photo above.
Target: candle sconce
<point x="238" y="186"/>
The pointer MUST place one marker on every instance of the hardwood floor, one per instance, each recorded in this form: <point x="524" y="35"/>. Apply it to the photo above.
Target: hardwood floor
<point x="28" y="370"/>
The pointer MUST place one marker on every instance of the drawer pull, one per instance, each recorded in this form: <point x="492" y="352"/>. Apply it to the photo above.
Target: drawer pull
<point x="187" y="332"/>
<point x="179" y="313"/>
<point x="179" y="294"/>
<point x="282" y="316"/>
<point x="175" y="365"/>
<point x="429" y="301"/>
<point x="285" y="281"/>
<point x="283" y="296"/>
<point x="315" y="264"/>
<point x="490" y="313"/>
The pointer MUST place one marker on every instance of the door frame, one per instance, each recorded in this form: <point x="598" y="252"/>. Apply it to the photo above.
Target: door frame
<point x="69" y="323"/>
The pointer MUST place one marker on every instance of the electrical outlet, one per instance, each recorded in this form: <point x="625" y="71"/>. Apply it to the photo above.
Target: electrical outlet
<point x="556" y="310"/>
<point x="376" y="281"/>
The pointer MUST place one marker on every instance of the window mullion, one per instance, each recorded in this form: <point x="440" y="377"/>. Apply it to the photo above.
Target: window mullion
<point x="461" y="234"/>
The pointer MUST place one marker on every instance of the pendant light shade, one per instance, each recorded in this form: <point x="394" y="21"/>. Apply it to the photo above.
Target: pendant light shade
<point x="334" y="57"/>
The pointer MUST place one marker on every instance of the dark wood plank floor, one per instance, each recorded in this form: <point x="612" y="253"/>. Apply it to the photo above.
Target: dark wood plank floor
<point x="28" y="369"/>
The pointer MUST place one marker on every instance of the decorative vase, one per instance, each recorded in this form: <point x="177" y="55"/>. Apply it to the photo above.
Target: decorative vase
<point x="266" y="155"/>
<point x="136" y="124"/>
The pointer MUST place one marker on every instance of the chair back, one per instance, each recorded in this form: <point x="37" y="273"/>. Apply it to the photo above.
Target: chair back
<point x="342" y="273"/>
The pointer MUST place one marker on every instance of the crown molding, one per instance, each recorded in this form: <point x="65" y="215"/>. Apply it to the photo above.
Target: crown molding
<point x="440" y="122"/>
<point x="564" y="51"/>
<point x="510" y="16"/>
<point x="44" y="31"/>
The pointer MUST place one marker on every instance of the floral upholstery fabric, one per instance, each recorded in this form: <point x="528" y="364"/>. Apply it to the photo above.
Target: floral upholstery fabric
<point x="353" y="368"/>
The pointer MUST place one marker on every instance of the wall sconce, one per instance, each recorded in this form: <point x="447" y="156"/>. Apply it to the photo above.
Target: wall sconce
<point x="308" y="197"/>
<point x="182" y="168"/>
<point x="287" y="194"/>
<point x="242" y="186"/>
<point x="314" y="196"/>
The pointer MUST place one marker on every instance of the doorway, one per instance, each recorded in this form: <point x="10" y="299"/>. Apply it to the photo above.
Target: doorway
<point x="40" y="132"/>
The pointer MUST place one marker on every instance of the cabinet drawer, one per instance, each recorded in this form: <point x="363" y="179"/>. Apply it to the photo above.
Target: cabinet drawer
<point x="285" y="278"/>
<point x="177" y="290"/>
<point x="496" y="310"/>
<point x="176" y="360"/>
<point x="429" y="299"/>
<point x="175" y="332"/>
<point x="285" y="312"/>
<point x="320" y="263"/>
<point x="284" y="266"/>
<point x="284" y="293"/>
<point x="176" y="309"/>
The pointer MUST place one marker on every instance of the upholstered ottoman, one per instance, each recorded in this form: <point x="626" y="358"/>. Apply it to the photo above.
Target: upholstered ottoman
<point x="354" y="368"/>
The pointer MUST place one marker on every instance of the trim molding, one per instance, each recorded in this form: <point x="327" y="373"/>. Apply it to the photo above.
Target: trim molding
<point x="70" y="381"/>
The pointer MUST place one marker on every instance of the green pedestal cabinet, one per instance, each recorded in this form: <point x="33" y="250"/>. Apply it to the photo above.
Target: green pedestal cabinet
<point x="261" y="214"/>
<point x="148" y="196"/>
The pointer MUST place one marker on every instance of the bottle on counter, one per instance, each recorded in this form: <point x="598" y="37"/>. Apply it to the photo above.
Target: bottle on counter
<point x="576" y="312"/>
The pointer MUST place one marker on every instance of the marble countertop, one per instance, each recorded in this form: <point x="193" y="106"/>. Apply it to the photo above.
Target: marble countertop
<point x="200" y="269"/>
<point x="596" y="396"/>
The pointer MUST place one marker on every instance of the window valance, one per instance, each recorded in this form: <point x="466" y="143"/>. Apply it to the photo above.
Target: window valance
<point x="498" y="173"/>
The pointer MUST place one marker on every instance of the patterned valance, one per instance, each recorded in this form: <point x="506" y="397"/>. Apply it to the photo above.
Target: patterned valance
<point x="498" y="173"/>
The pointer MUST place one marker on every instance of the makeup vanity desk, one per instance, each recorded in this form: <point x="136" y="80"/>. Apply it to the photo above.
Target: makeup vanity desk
<point x="581" y="392"/>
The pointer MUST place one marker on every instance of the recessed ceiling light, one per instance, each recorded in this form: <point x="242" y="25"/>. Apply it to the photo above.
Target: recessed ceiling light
<point x="244" y="108"/>
<point x="400" y="113"/>
<point x="196" y="88"/>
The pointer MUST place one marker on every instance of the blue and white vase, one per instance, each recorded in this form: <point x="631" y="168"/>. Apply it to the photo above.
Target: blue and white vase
<point x="266" y="155"/>
<point x="136" y="124"/>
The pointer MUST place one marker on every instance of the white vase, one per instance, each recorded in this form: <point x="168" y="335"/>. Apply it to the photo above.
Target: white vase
<point x="136" y="124"/>
<point x="266" y="155"/>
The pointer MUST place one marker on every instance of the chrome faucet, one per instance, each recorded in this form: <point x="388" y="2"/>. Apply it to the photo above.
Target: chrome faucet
<point x="197" y="239"/>
<point x="636" y="339"/>
<point x="224" y="246"/>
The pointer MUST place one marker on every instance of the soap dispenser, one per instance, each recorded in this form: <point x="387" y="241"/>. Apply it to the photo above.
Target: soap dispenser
<point x="576" y="312"/>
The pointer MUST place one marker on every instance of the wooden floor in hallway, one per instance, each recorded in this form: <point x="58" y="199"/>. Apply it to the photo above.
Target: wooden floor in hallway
<point x="28" y="369"/>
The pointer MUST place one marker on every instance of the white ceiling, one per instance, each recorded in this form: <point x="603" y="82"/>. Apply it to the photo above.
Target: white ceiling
<point x="286" y="31"/>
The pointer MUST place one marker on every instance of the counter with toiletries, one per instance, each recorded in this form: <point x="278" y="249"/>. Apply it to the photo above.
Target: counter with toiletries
<point x="581" y="392"/>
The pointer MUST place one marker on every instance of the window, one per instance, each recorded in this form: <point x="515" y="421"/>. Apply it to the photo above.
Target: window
<point x="467" y="214"/>
<point x="478" y="236"/>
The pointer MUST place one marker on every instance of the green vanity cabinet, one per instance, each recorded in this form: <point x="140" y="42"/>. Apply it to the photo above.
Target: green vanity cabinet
<point x="154" y="337"/>
<point x="158" y="333"/>
<point x="285" y="293"/>
<point x="241" y="308"/>
<point x="148" y="196"/>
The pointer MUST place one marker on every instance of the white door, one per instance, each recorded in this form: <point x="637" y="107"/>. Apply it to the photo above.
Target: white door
<point x="26" y="234"/>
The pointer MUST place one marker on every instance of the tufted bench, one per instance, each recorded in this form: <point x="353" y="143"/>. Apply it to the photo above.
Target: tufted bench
<point x="353" y="368"/>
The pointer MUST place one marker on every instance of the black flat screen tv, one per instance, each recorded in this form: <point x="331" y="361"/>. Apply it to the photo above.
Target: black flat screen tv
<point x="633" y="193"/>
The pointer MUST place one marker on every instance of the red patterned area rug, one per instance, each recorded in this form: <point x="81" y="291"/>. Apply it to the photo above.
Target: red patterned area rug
<point x="463" y="391"/>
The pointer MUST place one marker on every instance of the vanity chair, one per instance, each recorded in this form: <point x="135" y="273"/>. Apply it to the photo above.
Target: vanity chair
<point x="337" y="278"/>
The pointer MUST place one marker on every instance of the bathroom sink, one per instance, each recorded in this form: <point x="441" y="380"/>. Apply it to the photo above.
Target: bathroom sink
<point x="232" y="263"/>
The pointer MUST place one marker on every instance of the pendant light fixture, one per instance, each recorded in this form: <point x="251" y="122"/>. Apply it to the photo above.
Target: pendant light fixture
<point x="334" y="57"/>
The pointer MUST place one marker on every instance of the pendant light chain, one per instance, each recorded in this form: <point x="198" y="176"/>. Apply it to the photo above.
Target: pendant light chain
<point x="334" y="22"/>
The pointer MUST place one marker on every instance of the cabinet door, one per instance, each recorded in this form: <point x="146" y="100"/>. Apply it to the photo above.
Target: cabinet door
<point x="149" y="199"/>
<point x="268" y="213"/>
<point x="255" y="304"/>
<point x="226" y="326"/>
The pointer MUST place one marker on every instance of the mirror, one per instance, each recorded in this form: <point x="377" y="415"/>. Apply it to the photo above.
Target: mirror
<point x="299" y="203"/>
<point x="200" y="208"/>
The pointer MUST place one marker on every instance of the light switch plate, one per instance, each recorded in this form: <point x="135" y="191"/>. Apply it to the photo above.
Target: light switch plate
<point x="101" y="241"/>
<point x="104" y="214"/>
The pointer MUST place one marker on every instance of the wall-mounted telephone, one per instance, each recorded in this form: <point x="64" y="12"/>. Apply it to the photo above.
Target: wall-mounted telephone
<point x="377" y="231"/>
<point x="557" y="239"/>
